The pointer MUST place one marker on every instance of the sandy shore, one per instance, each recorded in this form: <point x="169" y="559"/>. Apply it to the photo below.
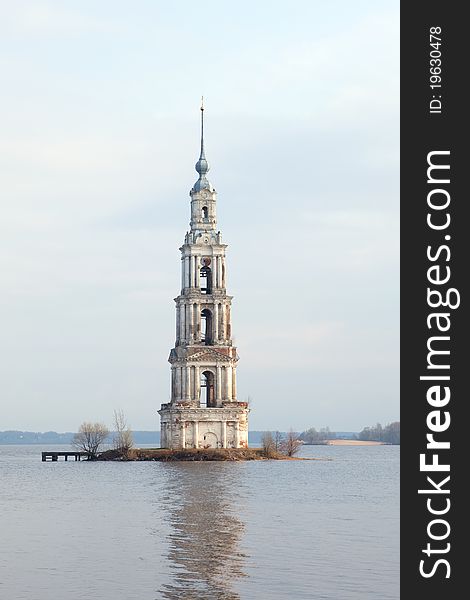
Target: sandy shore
<point x="353" y="443"/>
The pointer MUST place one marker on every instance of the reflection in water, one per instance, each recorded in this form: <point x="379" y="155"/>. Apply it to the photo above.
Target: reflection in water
<point x="201" y="508"/>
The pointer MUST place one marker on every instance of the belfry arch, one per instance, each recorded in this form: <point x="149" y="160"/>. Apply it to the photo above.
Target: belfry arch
<point x="206" y="327"/>
<point x="205" y="280"/>
<point x="207" y="398"/>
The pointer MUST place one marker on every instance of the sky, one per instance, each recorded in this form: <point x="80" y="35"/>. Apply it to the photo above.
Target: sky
<point x="99" y="121"/>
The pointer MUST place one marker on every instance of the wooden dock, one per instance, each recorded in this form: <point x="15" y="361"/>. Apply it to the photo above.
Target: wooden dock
<point x="54" y="456"/>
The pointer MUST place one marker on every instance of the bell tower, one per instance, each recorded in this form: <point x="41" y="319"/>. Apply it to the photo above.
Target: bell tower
<point x="203" y="411"/>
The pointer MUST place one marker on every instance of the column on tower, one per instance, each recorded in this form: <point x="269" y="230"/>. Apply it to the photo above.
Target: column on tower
<point x="215" y="321"/>
<point x="169" y="436"/>
<point x="195" y="272"/>
<point x="228" y="321"/>
<point x="223" y="272"/>
<point x="190" y="382"/>
<point x="178" y="383"/>
<point x="192" y="335"/>
<point x="218" y="385"/>
<point x="224" y="434"/>
<point x="219" y="272"/>
<point x="186" y="272"/>
<point x="222" y="323"/>
<point x="189" y="323"/>
<point x="196" y="309"/>
<point x="234" y="383"/>
<point x="223" y="379"/>
<point x="187" y="373"/>
<point x="197" y="383"/>
<point x="228" y="372"/>
<point x="182" y="311"/>
<point x="178" y="325"/>
<point x="197" y="322"/>
<point x="183" y="383"/>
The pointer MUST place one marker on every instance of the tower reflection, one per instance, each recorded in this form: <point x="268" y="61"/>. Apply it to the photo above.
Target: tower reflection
<point x="202" y="506"/>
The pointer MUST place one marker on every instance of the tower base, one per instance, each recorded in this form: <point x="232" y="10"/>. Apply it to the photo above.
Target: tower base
<point x="193" y="427"/>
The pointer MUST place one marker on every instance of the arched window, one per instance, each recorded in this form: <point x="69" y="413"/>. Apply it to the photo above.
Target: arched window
<point x="205" y="212"/>
<point x="205" y="280"/>
<point x="207" y="398"/>
<point x="206" y="327"/>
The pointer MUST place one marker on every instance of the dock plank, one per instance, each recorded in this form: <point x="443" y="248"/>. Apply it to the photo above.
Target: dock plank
<point x="54" y="456"/>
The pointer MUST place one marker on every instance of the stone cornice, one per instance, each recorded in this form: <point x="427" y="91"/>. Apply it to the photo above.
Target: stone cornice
<point x="188" y="413"/>
<point x="184" y="355"/>
<point x="195" y="294"/>
<point x="197" y="248"/>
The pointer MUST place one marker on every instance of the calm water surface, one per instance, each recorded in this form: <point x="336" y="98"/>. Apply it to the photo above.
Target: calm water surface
<point x="255" y="530"/>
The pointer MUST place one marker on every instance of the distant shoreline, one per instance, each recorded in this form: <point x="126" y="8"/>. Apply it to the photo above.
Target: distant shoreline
<point x="344" y="442"/>
<point x="348" y="442"/>
<point x="152" y="438"/>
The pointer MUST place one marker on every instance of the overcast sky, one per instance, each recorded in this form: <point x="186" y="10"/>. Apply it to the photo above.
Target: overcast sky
<point x="99" y="120"/>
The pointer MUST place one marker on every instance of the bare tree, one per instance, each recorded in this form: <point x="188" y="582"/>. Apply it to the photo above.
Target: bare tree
<point x="123" y="440"/>
<point x="291" y="445"/>
<point x="90" y="437"/>
<point x="278" y="441"/>
<point x="267" y="440"/>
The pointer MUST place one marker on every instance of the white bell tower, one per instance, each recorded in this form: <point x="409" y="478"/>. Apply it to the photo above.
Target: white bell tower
<point x="203" y="411"/>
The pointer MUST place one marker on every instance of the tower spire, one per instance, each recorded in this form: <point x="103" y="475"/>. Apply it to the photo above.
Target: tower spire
<point x="202" y="166"/>
<point x="202" y="128"/>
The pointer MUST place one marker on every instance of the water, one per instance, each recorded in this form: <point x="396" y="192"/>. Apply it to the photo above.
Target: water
<point x="211" y="531"/>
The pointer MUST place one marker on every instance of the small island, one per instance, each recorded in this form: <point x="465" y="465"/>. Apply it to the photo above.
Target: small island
<point x="91" y="436"/>
<point x="193" y="454"/>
